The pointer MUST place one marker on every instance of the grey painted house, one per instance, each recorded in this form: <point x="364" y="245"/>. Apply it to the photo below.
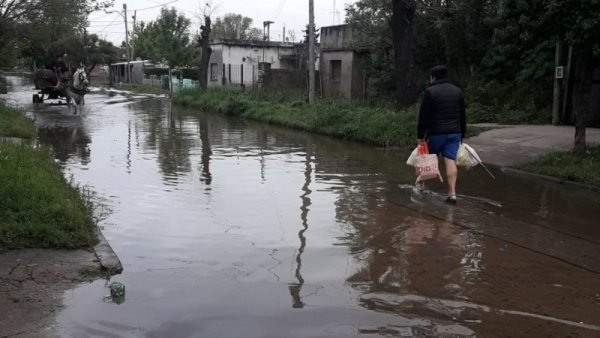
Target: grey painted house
<point x="341" y="74"/>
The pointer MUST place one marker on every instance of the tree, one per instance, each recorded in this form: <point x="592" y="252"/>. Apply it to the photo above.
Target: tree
<point x="234" y="26"/>
<point x="372" y="37"/>
<point x="40" y="28"/>
<point x="403" y="37"/>
<point x="305" y="31"/>
<point x="578" y="23"/>
<point x="205" y="50"/>
<point x="166" y="39"/>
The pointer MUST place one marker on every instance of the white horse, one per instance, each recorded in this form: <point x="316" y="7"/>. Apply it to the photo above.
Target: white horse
<point x="76" y="90"/>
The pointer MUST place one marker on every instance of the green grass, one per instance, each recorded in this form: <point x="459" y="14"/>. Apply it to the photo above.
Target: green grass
<point x="38" y="208"/>
<point x="14" y="123"/>
<point x="345" y="119"/>
<point x="3" y="88"/>
<point x="566" y="165"/>
<point x="142" y="88"/>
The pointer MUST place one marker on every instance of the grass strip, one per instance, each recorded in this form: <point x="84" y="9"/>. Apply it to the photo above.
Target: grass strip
<point x="566" y="165"/>
<point x="13" y="123"/>
<point x="38" y="207"/>
<point x="349" y="120"/>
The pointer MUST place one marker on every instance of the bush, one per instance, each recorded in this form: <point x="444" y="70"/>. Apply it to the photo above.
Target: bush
<point x="513" y="103"/>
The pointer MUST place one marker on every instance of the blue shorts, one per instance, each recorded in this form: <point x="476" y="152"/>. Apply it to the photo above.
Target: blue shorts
<point x="446" y="144"/>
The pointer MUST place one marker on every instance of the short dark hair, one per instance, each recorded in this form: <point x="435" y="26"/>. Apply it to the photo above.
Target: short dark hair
<point x="439" y="72"/>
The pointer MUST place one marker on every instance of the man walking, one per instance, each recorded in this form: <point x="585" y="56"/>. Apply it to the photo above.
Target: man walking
<point x="442" y="122"/>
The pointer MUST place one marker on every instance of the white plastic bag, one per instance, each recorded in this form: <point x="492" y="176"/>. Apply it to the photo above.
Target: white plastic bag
<point x="467" y="157"/>
<point x="412" y="158"/>
<point x="427" y="168"/>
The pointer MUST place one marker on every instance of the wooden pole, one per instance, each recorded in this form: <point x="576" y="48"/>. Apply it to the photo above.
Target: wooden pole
<point x="311" y="52"/>
<point x="128" y="50"/>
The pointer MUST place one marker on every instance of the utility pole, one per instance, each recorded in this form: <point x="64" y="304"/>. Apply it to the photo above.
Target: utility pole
<point x="127" y="43"/>
<point x="557" y="83"/>
<point x="134" y="17"/>
<point x="311" y="52"/>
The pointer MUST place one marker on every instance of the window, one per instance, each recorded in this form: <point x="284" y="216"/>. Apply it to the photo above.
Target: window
<point x="214" y="72"/>
<point x="335" y="67"/>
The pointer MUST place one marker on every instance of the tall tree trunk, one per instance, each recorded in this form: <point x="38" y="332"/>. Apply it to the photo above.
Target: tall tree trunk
<point x="582" y="103"/>
<point x="206" y="51"/>
<point x="403" y="13"/>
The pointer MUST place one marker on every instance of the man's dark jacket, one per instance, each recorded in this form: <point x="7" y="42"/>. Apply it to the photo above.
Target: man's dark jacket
<point x="442" y="110"/>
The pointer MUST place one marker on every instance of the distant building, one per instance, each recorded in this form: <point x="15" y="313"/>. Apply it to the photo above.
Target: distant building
<point x="341" y="74"/>
<point x="242" y="62"/>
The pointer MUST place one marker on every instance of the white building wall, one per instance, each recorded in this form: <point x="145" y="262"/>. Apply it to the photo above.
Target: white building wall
<point x="249" y="56"/>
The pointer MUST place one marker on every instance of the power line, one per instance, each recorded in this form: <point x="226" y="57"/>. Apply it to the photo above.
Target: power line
<point x="279" y="9"/>
<point x="115" y="19"/>
<point x="151" y="7"/>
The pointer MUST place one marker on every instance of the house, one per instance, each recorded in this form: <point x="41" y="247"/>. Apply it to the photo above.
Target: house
<point x="341" y="74"/>
<point x="242" y="62"/>
<point x="118" y="72"/>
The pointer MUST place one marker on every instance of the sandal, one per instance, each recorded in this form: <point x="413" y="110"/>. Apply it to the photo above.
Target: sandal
<point x="451" y="199"/>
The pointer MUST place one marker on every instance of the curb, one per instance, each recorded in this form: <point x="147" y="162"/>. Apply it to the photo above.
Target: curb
<point x="528" y="175"/>
<point x="108" y="259"/>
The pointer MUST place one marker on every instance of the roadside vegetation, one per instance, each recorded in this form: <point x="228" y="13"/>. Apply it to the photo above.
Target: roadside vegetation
<point x="380" y="125"/>
<point x="569" y="166"/>
<point x="14" y="124"/>
<point x="39" y="208"/>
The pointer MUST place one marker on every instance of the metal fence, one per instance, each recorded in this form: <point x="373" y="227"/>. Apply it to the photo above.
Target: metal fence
<point x="240" y="75"/>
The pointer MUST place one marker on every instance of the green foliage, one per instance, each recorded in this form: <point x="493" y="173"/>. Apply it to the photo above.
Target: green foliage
<point x="507" y="104"/>
<point x="43" y="29"/>
<point x="341" y="118"/>
<point x="569" y="166"/>
<point x="234" y="26"/>
<point x="167" y="38"/>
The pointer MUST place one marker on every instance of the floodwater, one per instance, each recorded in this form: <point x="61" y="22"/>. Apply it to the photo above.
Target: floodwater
<point x="232" y="228"/>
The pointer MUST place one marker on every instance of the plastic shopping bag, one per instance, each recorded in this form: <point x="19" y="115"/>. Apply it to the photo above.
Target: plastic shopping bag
<point x="412" y="158"/>
<point x="421" y="149"/>
<point x="427" y="168"/>
<point x="467" y="157"/>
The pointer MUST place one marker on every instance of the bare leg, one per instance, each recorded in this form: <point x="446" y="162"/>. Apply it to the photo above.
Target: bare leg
<point x="451" y="174"/>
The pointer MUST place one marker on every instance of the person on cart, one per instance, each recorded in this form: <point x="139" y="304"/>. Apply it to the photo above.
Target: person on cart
<point x="60" y="70"/>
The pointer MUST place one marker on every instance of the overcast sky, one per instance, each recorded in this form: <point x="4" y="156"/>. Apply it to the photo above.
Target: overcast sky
<point x="291" y="13"/>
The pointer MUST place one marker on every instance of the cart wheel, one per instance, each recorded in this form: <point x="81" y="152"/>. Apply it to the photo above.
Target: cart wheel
<point x="36" y="98"/>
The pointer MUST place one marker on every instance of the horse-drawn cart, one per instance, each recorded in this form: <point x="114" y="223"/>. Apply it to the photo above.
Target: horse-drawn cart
<point x="45" y="84"/>
<point x="70" y="90"/>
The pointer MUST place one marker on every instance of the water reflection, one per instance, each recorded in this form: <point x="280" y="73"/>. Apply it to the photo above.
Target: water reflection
<point x="296" y="288"/>
<point x="385" y="260"/>
<point x="68" y="142"/>
<point x="203" y="129"/>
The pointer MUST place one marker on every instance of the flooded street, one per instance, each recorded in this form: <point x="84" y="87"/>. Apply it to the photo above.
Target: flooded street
<point x="231" y="228"/>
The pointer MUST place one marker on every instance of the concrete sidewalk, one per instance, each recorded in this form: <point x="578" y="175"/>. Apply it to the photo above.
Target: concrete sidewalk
<point x="512" y="145"/>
